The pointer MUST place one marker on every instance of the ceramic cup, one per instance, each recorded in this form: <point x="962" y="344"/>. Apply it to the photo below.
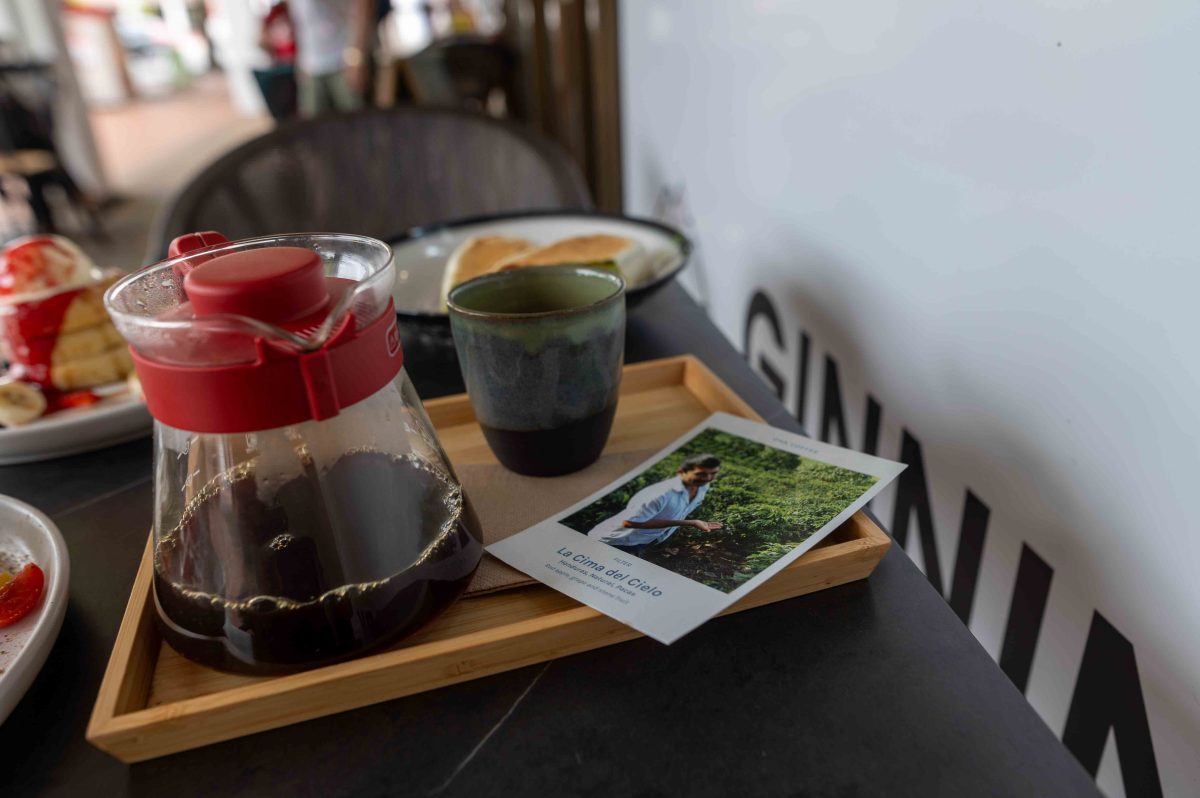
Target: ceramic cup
<point x="541" y="352"/>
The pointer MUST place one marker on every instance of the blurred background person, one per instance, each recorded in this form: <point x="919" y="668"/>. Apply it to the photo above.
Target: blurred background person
<point x="278" y="79"/>
<point x="331" y="45"/>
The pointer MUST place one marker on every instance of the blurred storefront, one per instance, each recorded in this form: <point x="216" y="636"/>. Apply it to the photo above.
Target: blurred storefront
<point x="112" y="64"/>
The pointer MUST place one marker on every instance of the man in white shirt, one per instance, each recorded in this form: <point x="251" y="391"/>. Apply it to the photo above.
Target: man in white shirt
<point x="655" y="512"/>
<point x="330" y="36"/>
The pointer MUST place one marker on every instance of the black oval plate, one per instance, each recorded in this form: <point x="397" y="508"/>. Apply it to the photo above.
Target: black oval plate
<point x="421" y="253"/>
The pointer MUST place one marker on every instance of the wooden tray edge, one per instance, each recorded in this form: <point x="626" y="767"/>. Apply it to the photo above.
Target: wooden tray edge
<point x="157" y="731"/>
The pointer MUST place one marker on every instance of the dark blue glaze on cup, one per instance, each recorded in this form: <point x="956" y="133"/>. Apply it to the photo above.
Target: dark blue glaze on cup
<point x="541" y="351"/>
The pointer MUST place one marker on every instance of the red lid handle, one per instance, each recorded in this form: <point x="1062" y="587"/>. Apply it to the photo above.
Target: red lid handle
<point x="191" y="242"/>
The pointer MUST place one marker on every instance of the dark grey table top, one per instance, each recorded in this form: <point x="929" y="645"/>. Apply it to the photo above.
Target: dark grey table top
<point x="867" y="689"/>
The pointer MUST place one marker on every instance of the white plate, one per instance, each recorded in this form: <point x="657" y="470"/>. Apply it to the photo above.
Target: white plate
<point x="110" y="421"/>
<point x="26" y="535"/>
<point x="421" y="254"/>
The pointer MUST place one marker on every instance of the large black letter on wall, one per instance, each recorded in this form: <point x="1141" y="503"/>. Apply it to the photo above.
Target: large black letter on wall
<point x="832" y="413"/>
<point x="912" y="491"/>
<point x="971" y="535"/>
<point x="760" y="305"/>
<point x="1030" y="594"/>
<point x="871" y="426"/>
<point x="802" y="377"/>
<point x="1108" y="695"/>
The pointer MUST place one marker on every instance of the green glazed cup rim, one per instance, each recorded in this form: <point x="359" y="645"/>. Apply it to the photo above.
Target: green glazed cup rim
<point x="526" y="273"/>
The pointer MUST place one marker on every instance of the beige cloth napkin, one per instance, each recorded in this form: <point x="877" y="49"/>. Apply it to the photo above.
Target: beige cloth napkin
<point x="507" y="503"/>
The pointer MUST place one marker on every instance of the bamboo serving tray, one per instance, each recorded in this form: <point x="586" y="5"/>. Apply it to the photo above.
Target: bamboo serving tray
<point x="154" y="702"/>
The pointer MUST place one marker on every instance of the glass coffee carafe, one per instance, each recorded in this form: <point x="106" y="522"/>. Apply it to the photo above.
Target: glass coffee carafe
<point x="304" y="509"/>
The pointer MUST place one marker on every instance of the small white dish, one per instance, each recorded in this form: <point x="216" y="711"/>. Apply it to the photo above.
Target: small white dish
<point x="114" y="419"/>
<point x="27" y="535"/>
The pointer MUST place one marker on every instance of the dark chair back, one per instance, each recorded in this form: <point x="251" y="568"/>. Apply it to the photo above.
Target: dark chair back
<point x="374" y="172"/>
<point x="464" y="72"/>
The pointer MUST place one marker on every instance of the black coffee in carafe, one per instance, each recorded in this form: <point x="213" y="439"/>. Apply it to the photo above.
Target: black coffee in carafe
<point x="328" y="567"/>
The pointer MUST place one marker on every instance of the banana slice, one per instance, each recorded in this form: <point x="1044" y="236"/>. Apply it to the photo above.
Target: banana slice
<point x="20" y="403"/>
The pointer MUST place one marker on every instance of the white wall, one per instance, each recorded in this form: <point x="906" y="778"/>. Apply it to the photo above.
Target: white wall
<point x="234" y="27"/>
<point x="985" y="215"/>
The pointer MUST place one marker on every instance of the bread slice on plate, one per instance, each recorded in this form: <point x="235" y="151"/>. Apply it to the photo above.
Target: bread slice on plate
<point x="623" y="255"/>
<point x="480" y="255"/>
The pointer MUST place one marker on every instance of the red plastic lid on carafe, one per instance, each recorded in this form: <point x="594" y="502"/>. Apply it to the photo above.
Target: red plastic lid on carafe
<point x="282" y="383"/>
<point x="280" y="285"/>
